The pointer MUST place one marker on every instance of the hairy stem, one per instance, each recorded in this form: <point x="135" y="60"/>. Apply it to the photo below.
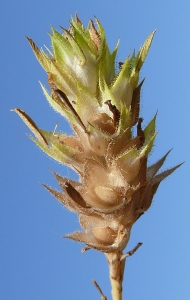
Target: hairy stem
<point x="116" y="268"/>
<point x="116" y="262"/>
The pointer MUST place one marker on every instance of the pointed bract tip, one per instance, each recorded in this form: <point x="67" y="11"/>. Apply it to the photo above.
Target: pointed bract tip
<point x="29" y="40"/>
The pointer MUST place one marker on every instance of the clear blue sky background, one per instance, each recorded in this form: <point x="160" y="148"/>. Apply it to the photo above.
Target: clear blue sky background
<point x="36" y="263"/>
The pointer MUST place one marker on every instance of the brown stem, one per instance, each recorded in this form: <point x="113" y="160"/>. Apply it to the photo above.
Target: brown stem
<point x="130" y="253"/>
<point x="103" y="297"/>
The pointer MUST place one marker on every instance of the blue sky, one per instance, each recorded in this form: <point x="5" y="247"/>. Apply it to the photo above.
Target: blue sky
<point x="36" y="263"/>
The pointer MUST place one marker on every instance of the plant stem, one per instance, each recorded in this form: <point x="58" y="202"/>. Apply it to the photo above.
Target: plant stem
<point x="116" y="268"/>
<point x="103" y="297"/>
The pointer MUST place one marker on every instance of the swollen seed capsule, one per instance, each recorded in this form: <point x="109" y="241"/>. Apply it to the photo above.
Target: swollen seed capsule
<point x="104" y="235"/>
<point x="108" y="196"/>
